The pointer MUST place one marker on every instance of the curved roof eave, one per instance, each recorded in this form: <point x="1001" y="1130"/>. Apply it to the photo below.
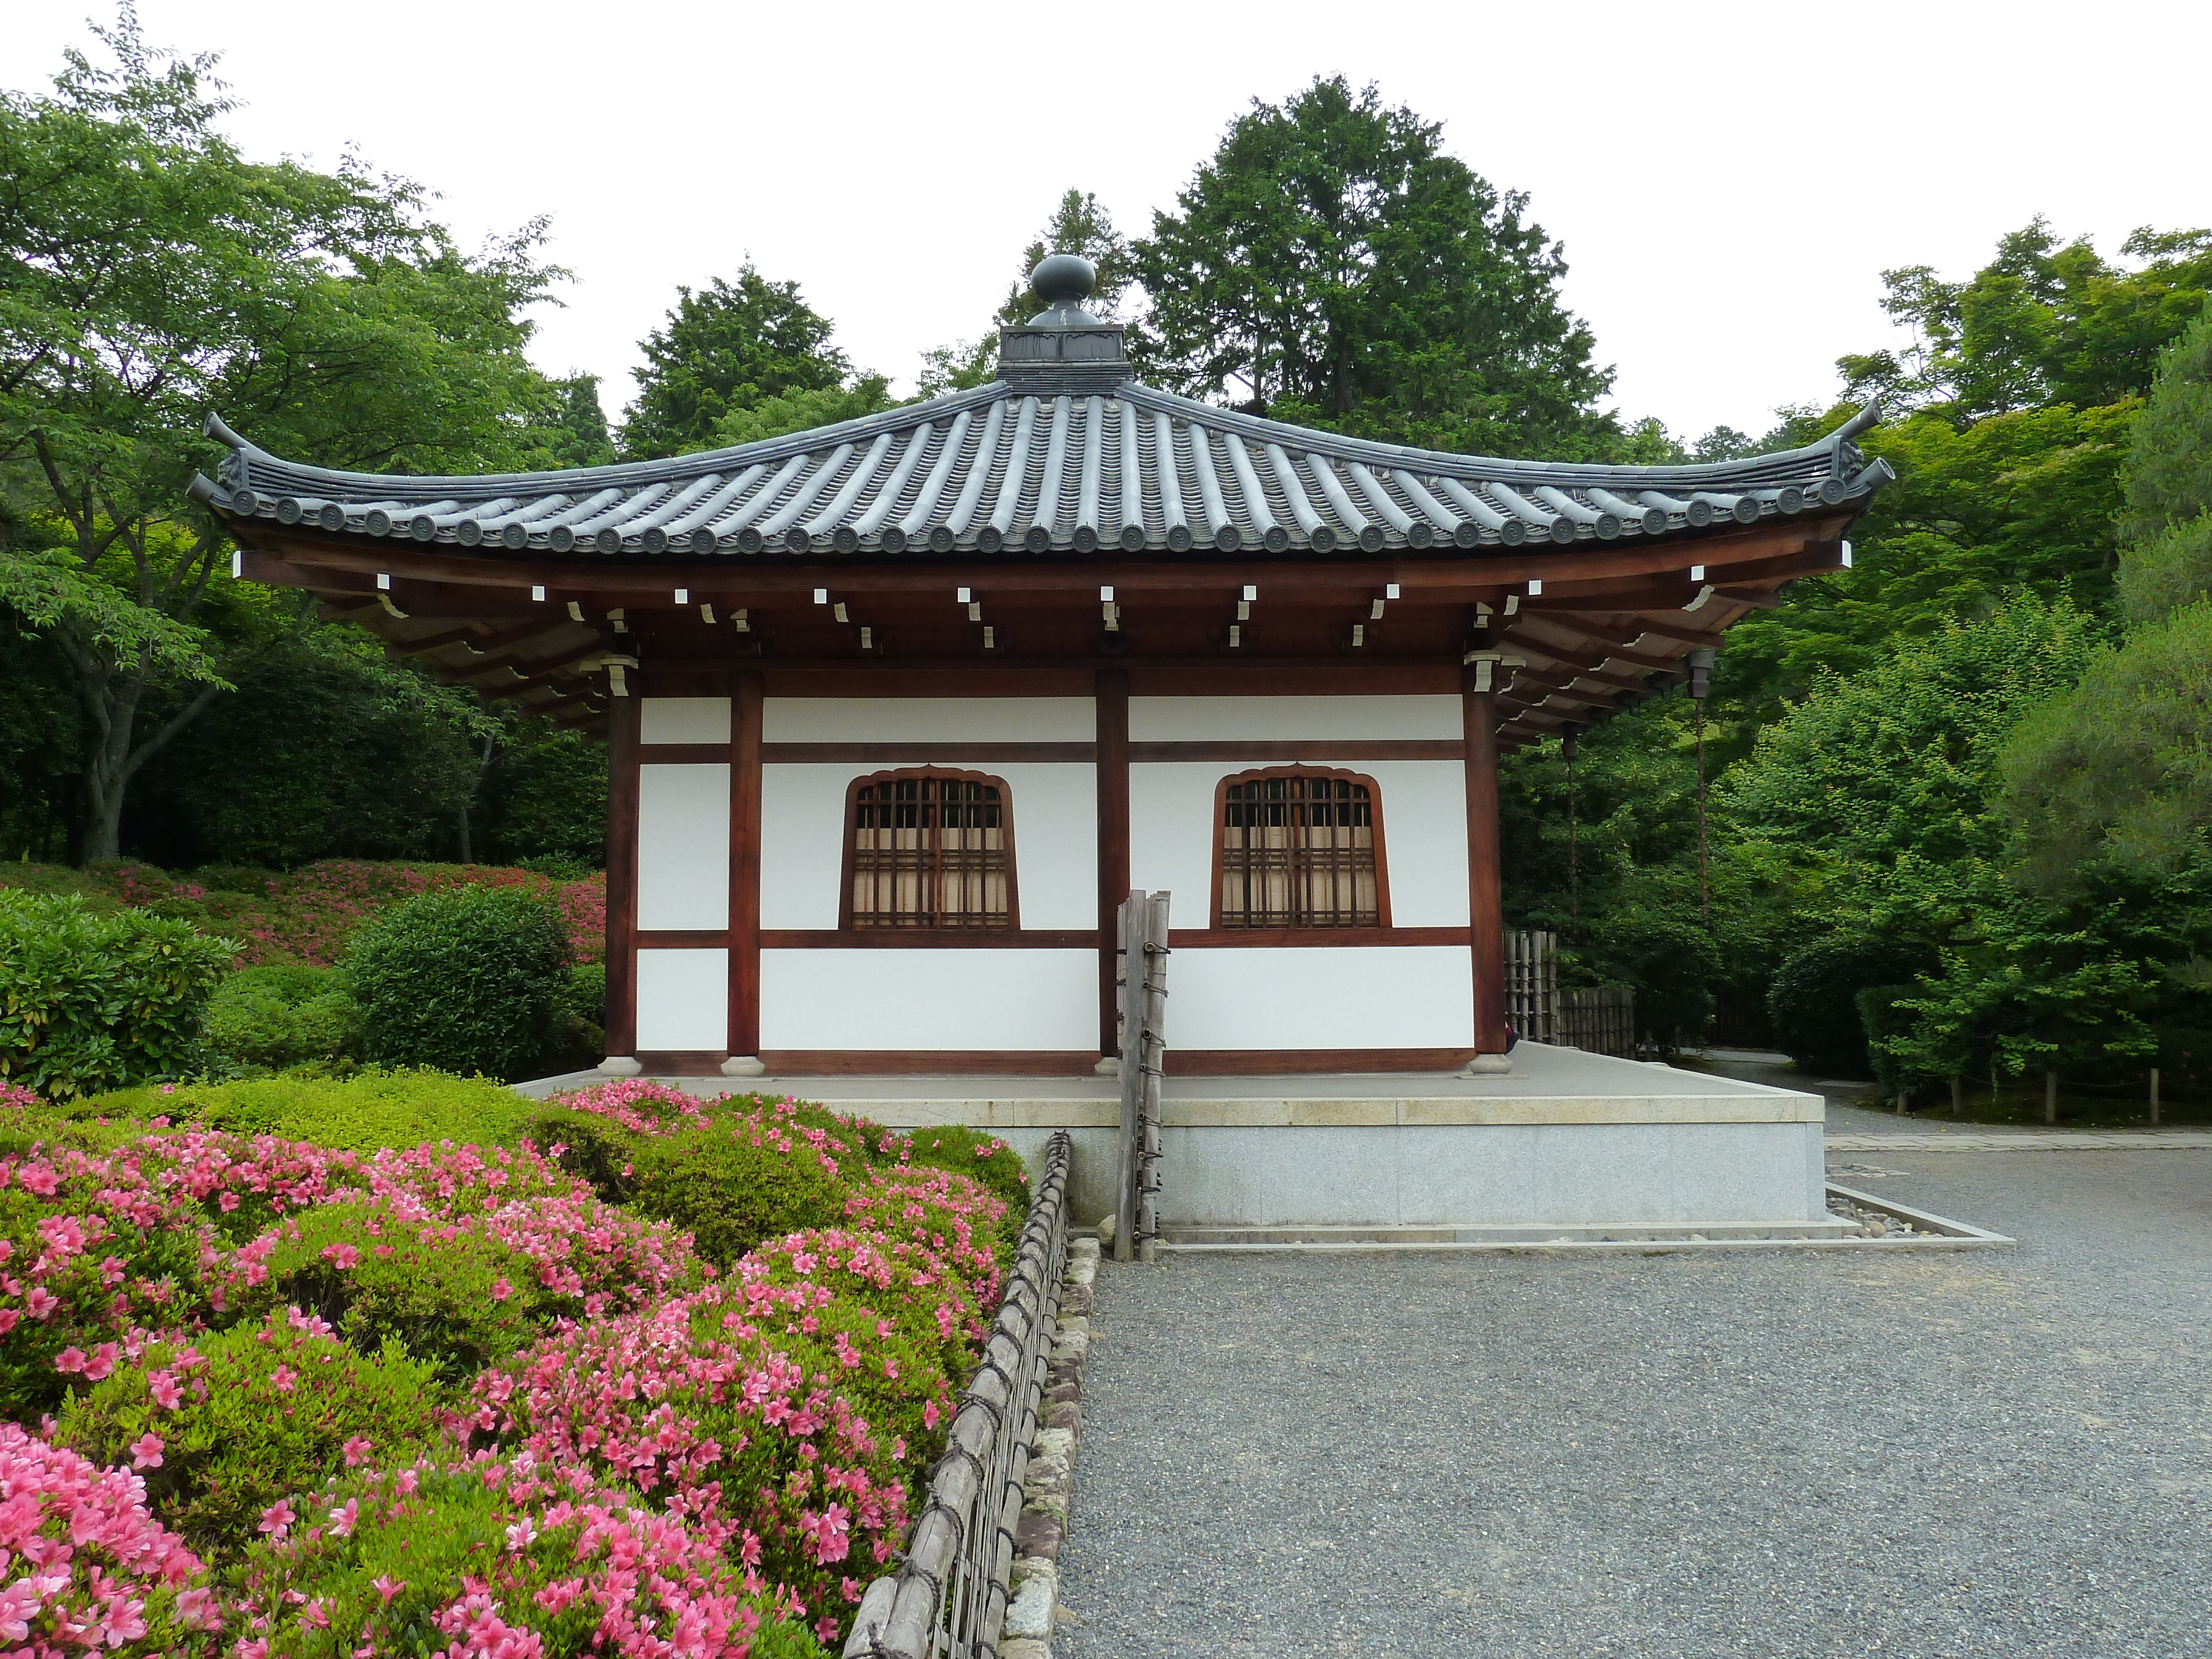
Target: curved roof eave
<point x="1022" y="465"/>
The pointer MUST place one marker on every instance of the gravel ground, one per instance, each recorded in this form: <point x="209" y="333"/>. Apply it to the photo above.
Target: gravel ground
<point x="2003" y="1452"/>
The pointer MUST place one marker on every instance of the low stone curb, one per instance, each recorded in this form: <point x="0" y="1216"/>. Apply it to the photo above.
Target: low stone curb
<point x="1050" y="1483"/>
<point x="2027" y="1140"/>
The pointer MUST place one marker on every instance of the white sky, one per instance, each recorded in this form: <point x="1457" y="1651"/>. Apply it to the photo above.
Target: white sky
<point x="1729" y="180"/>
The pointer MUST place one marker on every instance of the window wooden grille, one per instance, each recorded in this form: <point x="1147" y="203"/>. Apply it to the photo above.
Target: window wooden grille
<point x="1300" y="847"/>
<point x="929" y="849"/>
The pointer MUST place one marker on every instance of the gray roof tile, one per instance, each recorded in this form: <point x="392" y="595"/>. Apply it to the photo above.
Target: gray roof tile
<point x="1036" y="464"/>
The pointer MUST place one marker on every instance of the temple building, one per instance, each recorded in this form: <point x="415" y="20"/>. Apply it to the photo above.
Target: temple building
<point x="900" y="710"/>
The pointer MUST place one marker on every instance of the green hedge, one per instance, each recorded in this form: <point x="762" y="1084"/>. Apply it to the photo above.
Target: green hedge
<point x="93" y="999"/>
<point x="468" y="981"/>
<point x="281" y="1016"/>
<point x="374" y="1109"/>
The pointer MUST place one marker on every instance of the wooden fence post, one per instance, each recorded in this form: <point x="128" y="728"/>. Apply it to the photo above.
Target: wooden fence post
<point x="1130" y="976"/>
<point x="2051" y="1097"/>
<point x="2154" y="1094"/>
<point x="1152" y="1065"/>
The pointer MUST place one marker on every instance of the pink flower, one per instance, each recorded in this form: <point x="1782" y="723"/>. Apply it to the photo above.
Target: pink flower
<point x="387" y="1587"/>
<point x="521" y="1535"/>
<point x="70" y="1361"/>
<point x="501" y="1289"/>
<point x="930" y="1414"/>
<point x="342" y="1255"/>
<point x="275" y="1518"/>
<point x="342" y="1519"/>
<point x="356" y="1450"/>
<point x="101" y="1365"/>
<point x="146" y="1451"/>
<point x="41" y="1302"/>
<point x="283" y="1378"/>
<point x="163" y="1385"/>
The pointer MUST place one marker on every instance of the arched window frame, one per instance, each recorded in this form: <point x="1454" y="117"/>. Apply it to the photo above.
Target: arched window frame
<point x="849" y="863"/>
<point x="1319" y="930"/>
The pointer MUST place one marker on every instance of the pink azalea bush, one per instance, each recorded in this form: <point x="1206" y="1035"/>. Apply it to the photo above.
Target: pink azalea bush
<point x="612" y="1446"/>
<point x="84" y="1567"/>
<point x="500" y="1558"/>
<point x="308" y="915"/>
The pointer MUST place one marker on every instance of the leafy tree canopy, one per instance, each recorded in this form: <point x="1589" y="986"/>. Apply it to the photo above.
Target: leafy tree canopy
<point x="724" y="349"/>
<point x="1332" y="265"/>
<point x="2045" y="322"/>
<point x="799" y="411"/>
<point x="152" y="273"/>
<point x="2118" y="776"/>
<point x="1876" y="796"/>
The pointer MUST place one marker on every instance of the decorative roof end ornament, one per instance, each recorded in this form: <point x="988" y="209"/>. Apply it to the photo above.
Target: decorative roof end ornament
<point x="1063" y="281"/>
<point x="1063" y="348"/>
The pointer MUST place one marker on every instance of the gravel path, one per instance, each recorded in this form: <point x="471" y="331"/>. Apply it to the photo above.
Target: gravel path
<point x="1982" y="1453"/>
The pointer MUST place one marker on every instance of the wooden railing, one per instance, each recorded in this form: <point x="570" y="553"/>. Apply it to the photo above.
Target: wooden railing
<point x="948" y="1599"/>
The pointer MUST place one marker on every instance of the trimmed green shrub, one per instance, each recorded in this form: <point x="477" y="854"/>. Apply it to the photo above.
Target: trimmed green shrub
<point x="93" y="999"/>
<point x="259" y="1413"/>
<point x="464" y="981"/>
<point x="452" y="1300"/>
<point x="981" y="1156"/>
<point x="580" y="1036"/>
<point x="372" y="1109"/>
<point x="728" y="1183"/>
<point x="283" y="1016"/>
<point x="394" y="1561"/>
<point x="1813" y="1000"/>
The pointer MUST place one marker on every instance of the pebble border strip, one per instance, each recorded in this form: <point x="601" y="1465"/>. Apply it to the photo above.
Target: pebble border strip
<point x="1050" y="1484"/>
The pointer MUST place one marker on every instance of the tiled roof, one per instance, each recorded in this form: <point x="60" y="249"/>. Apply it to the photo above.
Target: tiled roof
<point x="1048" y="458"/>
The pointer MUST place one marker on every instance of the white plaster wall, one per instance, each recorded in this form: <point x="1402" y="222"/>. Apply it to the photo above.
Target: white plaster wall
<point x="929" y="1000"/>
<point x="1167" y="720"/>
<point x="682" y="845"/>
<point x="684" y="720"/>
<point x="928" y="719"/>
<point x="1322" y="997"/>
<point x="1056" y="808"/>
<point x="1172" y="833"/>
<point x="683" y="1000"/>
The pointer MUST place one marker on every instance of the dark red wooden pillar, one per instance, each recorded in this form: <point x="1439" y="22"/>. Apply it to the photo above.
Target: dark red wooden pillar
<point x="622" y="872"/>
<point x="1113" y="761"/>
<point x="745" y="695"/>
<point x="1485" y="920"/>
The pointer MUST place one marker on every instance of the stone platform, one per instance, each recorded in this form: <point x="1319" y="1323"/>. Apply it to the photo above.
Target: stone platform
<point x="1566" y="1139"/>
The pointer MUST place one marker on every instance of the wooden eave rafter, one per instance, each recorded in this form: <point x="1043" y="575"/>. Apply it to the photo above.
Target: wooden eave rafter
<point x="1601" y="613"/>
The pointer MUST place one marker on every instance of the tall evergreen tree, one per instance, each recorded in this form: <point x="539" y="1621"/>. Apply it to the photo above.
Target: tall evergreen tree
<point x="727" y="348"/>
<point x="1332" y="265"/>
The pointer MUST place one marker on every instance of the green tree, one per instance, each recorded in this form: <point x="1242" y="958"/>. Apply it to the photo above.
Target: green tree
<point x="2117" y="777"/>
<point x="1332" y="265"/>
<point x="1078" y="225"/>
<point x="574" y="431"/>
<point x="1876" y="797"/>
<point x="726" y="349"/>
<point x="801" y="411"/>
<point x="153" y="273"/>
<point x="2012" y="412"/>
<point x="2043" y="322"/>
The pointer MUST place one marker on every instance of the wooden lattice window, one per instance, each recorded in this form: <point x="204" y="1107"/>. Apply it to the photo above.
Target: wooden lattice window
<point x="1299" y="847"/>
<point x="929" y="848"/>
